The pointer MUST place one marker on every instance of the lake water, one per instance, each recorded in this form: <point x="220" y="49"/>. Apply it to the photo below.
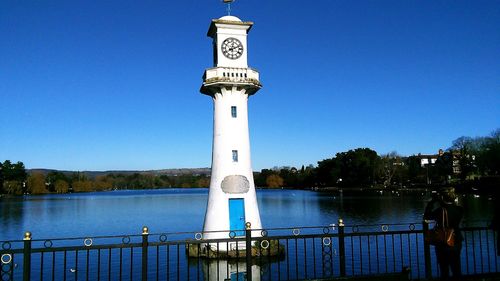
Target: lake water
<point x="174" y="210"/>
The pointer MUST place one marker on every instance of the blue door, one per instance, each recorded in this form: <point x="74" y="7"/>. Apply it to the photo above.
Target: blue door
<point x="240" y="276"/>
<point x="237" y="216"/>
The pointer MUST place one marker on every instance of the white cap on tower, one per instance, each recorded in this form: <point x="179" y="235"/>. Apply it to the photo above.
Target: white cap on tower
<point x="230" y="18"/>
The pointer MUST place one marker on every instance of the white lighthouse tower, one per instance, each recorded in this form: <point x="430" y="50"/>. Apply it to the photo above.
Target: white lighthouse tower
<point x="232" y="200"/>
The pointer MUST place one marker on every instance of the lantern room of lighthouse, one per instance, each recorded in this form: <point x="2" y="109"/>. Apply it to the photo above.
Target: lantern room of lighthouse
<point x="232" y="200"/>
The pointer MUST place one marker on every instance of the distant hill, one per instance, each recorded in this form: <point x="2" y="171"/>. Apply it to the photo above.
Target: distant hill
<point x="167" y="172"/>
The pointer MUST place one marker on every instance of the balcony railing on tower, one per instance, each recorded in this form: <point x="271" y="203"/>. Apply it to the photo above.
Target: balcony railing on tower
<point x="233" y="75"/>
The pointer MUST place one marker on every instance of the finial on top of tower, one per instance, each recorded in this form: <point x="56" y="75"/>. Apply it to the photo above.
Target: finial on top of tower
<point x="228" y="2"/>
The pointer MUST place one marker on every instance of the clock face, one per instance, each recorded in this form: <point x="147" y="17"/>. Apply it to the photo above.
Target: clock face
<point x="232" y="48"/>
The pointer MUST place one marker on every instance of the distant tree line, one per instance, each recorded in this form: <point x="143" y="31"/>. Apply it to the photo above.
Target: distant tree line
<point x="468" y="161"/>
<point x="15" y="180"/>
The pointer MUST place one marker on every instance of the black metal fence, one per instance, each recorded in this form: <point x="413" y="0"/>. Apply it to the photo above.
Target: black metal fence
<point x="297" y="253"/>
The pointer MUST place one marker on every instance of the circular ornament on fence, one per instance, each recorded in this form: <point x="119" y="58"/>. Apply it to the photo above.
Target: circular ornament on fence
<point x="264" y="244"/>
<point x="412" y="227"/>
<point x="263" y="233"/>
<point x="6" y="258"/>
<point x="163" y="238"/>
<point x="355" y="229"/>
<point x="326" y="230"/>
<point x="232" y="234"/>
<point x="327" y="241"/>
<point x="88" y="242"/>
<point x="6" y="245"/>
<point x="198" y="236"/>
<point x="6" y="271"/>
<point x="296" y="231"/>
<point x="47" y="244"/>
<point x="126" y="239"/>
<point x="385" y="227"/>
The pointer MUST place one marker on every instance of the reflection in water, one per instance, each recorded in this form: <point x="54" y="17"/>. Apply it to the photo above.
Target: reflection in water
<point x="175" y="210"/>
<point x="11" y="213"/>
<point x="224" y="270"/>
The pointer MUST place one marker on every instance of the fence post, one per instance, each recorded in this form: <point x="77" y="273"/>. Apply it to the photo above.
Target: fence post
<point x="341" y="248"/>
<point x="248" y="249"/>
<point x="27" y="256"/>
<point x="427" y="251"/>
<point x="145" y="234"/>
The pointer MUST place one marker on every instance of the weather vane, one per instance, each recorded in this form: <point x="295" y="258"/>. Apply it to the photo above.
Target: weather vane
<point x="228" y="2"/>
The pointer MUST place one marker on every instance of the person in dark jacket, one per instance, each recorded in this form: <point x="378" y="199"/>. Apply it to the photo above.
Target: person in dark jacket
<point x="447" y="257"/>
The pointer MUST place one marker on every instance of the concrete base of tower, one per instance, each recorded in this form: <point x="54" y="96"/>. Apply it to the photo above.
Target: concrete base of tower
<point x="236" y="249"/>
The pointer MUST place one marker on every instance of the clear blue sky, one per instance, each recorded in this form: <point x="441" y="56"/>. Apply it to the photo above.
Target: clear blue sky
<point x="105" y="85"/>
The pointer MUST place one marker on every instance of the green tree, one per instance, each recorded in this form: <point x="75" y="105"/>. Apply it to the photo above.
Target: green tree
<point x="289" y="176"/>
<point x="260" y="178"/>
<point x="391" y="169"/>
<point x="203" y="181"/>
<point x="416" y="174"/>
<point x="13" y="187"/>
<point x="463" y="145"/>
<point x="328" y="172"/>
<point x="2" y="178"/>
<point x="7" y="168"/>
<point x="103" y="183"/>
<point x="61" y="186"/>
<point x="12" y="172"/>
<point x="308" y="176"/>
<point x="16" y="172"/>
<point x="119" y="181"/>
<point x="19" y="172"/>
<point x="36" y="184"/>
<point x="53" y="177"/>
<point x="78" y="176"/>
<point x="163" y="181"/>
<point x="358" y="167"/>
<point x="274" y="181"/>
<point x="489" y="155"/>
<point x="82" y="186"/>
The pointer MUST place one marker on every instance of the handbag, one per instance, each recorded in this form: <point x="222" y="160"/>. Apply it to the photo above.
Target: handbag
<point x="443" y="235"/>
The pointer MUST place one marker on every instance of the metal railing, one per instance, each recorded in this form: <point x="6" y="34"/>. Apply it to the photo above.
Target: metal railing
<point x="299" y="253"/>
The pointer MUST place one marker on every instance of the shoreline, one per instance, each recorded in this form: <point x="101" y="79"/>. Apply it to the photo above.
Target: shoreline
<point x="329" y="189"/>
